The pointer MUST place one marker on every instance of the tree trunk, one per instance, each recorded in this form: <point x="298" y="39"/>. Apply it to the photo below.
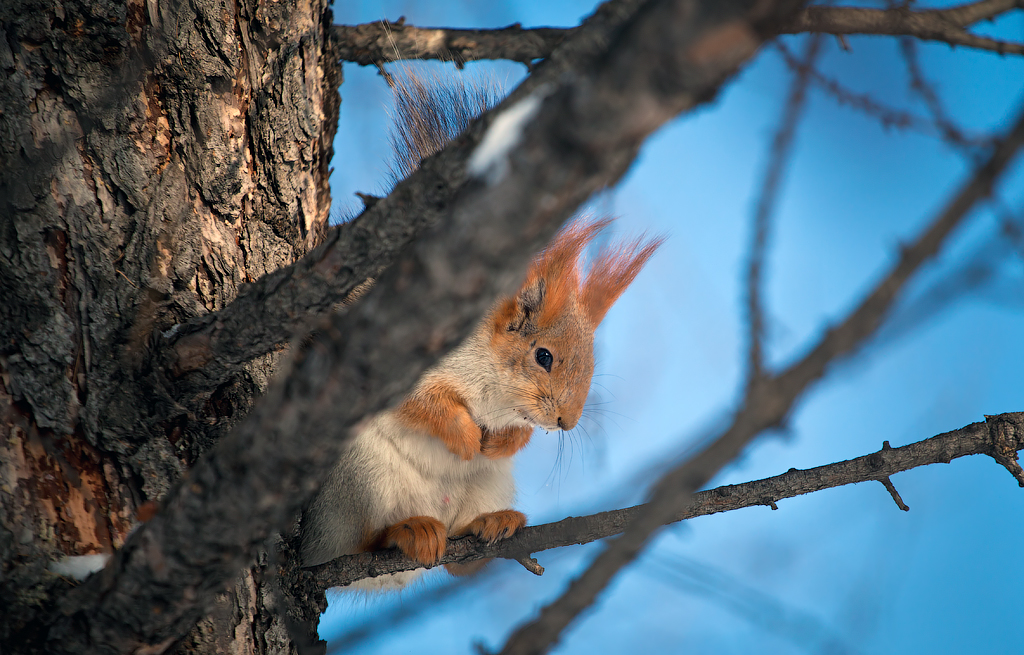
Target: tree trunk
<point x="153" y="157"/>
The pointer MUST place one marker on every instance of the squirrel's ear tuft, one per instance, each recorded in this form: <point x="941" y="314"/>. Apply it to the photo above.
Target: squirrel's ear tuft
<point x="556" y="270"/>
<point x="613" y="271"/>
<point x="554" y="288"/>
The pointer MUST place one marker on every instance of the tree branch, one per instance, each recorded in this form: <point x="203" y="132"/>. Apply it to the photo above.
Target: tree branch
<point x="975" y="439"/>
<point x="383" y="41"/>
<point x="765" y="405"/>
<point x="586" y="129"/>
<point x="782" y="147"/>
<point x="975" y="12"/>
<point x="945" y="25"/>
<point x="950" y="132"/>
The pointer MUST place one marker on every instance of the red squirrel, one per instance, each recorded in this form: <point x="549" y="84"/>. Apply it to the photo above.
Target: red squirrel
<point x="440" y="463"/>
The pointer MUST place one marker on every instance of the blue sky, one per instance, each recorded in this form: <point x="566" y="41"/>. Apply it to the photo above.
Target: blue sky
<point x="839" y="571"/>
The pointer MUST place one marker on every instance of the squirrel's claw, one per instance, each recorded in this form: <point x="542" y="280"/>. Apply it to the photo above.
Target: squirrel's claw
<point x="421" y="538"/>
<point x="493" y="526"/>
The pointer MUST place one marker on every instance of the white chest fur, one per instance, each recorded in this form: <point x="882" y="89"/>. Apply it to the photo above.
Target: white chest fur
<point x="414" y="474"/>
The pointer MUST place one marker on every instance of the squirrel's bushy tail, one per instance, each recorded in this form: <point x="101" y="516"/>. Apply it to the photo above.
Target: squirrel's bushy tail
<point x="431" y="109"/>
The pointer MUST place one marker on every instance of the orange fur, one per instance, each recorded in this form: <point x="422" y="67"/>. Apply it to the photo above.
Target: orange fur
<point x="504" y="443"/>
<point x="558" y="267"/>
<point x="421" y="538"/>
<point x="493" y="526"/>
<point x="558" y="270"/>
<point x="611" y="273"/>
<point x="436" y="407"/>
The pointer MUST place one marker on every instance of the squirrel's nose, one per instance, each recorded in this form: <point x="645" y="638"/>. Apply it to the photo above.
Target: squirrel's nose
<point x="561" y="424"/>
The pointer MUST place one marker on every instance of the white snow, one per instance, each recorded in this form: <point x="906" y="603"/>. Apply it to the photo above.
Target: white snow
<point x="79" y="567"/>
<point x="490" y="159"/>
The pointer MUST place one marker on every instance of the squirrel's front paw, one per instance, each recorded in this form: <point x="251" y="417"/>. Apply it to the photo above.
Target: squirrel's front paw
<point x="496" y="525"/>
<point x="496" y="444"/>
<point x="463" y="439"/>
<point x="421" y="538"/>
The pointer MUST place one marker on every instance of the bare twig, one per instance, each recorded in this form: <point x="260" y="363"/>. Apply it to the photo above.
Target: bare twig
<point x="782" y="147"/>
<point x="889" y="117"/>
<point x="383" y="41"/>
<point x="530" y="564"/>
<point x="974" y="12"/>
<point x="765" y="405"/>
<point x="998" y="436"/>
<point x="945" y="25"/>
<point x="891" y="488"/>
<point x="950" y="132"/>
<point x="371" y="43"/>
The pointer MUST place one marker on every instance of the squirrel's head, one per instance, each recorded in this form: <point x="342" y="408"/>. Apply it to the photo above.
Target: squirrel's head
<point x="544" y="336"/>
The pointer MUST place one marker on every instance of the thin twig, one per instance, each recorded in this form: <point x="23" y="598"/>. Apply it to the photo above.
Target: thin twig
<point x="383" y="41"/>
<point x="530" y="564"/>
<point x="887" y="483"/>
<point x="927" y="25"/>
<point x="889" y="117"/>
<point x="782" y="148"/>
<point x="950" y="132"/>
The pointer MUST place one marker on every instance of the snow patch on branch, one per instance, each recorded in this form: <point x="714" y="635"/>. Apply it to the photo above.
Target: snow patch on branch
<point x="79" y="567"/>
<point x="490" y="159"/>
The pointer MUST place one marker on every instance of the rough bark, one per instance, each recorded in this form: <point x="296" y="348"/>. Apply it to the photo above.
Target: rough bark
<point x="154" y="157"/>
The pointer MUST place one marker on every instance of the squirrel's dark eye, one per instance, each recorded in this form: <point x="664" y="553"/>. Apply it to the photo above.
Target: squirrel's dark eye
<point x="544" y="358"/>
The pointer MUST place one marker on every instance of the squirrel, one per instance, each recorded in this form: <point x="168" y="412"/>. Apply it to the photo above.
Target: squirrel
<point x="440" y="463"/>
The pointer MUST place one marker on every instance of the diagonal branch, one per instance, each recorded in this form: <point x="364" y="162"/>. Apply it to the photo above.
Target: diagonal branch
<point x="581" y="132"/>
<point x="765" y="405"/>
<point x="975" y="439"/>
